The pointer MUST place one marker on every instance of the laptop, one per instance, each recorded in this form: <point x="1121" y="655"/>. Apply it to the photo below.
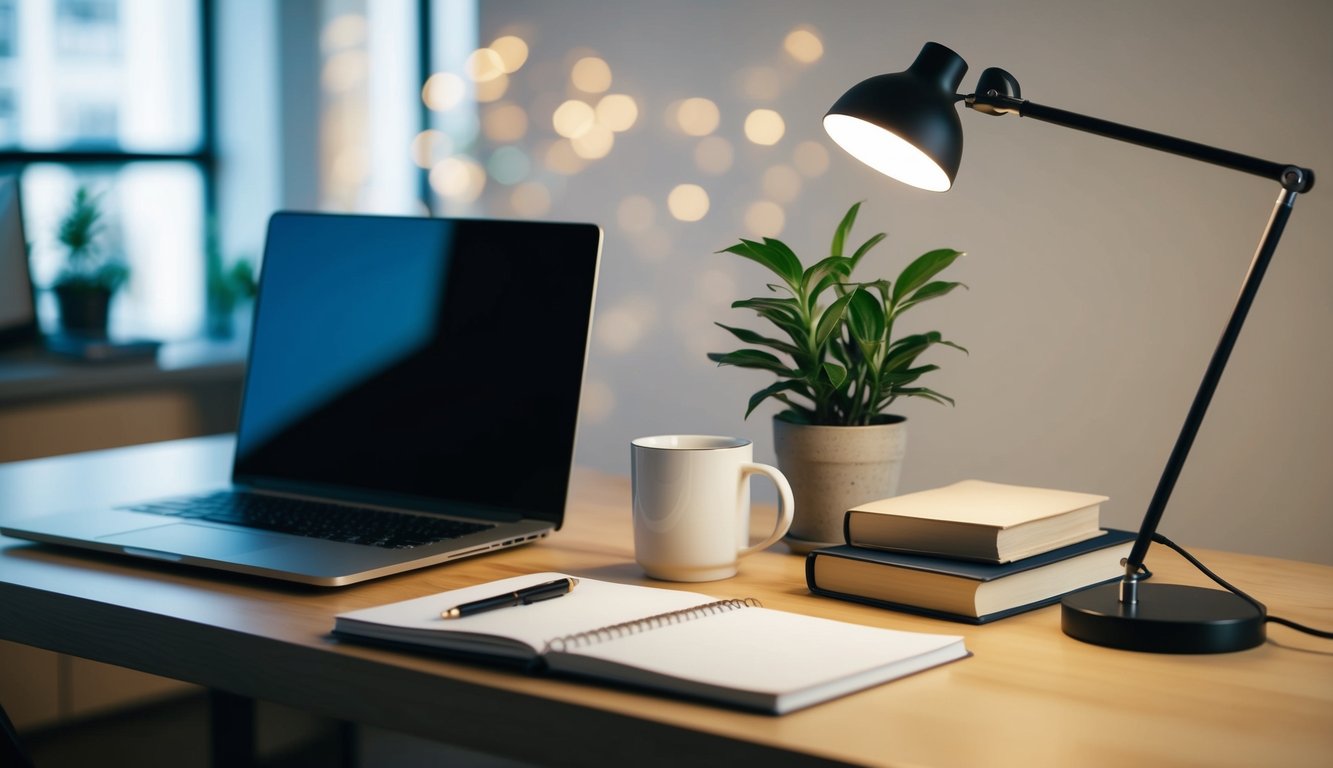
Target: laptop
<point x="411" y="398"/>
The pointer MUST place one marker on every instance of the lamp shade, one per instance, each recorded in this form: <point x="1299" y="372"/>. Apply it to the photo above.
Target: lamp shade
<point x="905" y="125"/>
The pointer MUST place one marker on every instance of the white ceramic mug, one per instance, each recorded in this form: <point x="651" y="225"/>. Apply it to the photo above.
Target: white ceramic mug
<point x="692" y="505"/>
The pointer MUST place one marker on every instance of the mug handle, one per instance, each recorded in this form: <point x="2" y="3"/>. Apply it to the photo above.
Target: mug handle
<point x="786" y="505"/>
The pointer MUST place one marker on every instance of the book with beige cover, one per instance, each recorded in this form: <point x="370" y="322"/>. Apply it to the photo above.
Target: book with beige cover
<point x="727" y="651"/>
<point x="976" y="520"/>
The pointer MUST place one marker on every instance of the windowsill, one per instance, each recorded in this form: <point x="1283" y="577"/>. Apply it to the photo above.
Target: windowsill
<point x="27" y="375"/>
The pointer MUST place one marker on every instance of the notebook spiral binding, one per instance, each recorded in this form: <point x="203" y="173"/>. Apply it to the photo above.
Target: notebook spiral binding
<point x="647" y="623"/>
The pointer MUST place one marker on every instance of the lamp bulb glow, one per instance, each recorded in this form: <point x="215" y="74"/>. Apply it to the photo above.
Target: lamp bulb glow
<point x="886" y="152"/>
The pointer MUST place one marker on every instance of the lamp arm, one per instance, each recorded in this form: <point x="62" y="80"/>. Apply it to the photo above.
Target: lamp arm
<point x="1212" y="375"/>
<point x="1293" y="179"/>
<point x="1289" y="176"/>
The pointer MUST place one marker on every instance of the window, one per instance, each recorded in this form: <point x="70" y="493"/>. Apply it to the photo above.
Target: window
<point x="111" y="94"/>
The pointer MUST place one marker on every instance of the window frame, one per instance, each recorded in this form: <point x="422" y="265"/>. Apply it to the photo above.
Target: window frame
<point x="204" y="156"/>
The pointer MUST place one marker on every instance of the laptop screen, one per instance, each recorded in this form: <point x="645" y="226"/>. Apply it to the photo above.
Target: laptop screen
<point x="18" y="315"/>
<point x="415" y="360"/>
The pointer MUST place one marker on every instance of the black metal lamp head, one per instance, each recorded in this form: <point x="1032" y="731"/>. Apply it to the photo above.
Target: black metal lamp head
<point x="906" y="125"/>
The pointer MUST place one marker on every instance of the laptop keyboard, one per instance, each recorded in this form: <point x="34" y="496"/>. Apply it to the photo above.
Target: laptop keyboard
<point x="314" y="519"/>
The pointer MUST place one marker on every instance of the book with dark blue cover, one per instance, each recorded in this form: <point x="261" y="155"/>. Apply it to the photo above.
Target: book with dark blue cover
<point x="963" y="590"/>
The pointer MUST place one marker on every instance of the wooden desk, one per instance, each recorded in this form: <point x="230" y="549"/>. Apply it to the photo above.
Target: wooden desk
<point x="1029" y="696"/>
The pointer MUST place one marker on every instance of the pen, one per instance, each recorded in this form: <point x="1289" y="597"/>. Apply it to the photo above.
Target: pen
<point x="551" y="589"/>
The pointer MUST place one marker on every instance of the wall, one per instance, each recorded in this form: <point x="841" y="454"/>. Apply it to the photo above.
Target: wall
<point x="1100" y="274"/>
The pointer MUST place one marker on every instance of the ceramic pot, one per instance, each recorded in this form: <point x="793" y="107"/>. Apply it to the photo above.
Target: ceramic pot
<point x="832" y="469"/>
<point x="83" y="311"/>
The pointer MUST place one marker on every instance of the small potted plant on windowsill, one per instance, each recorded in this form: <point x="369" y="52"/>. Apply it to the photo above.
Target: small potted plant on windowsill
<point x="89" y="280"/>
<point x="839" y="368"/>
<point x="229" y="288"/>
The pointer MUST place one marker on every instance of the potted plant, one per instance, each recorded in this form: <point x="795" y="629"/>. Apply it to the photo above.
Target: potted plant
<point x="839" y="367"/>
<point x="227" y="288"/>
<point x="85" y="286"/>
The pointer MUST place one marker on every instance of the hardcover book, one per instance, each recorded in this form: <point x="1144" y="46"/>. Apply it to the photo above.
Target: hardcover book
<point x="976" y="520"/>
<point x="961" y="590"/>
<point x="732" y="652"/>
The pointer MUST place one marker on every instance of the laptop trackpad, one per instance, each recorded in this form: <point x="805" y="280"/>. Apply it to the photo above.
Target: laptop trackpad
<point x="195" y="540"/>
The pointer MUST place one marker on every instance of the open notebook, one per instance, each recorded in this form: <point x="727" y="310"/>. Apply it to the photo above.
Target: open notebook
<point x="727" y="651"/>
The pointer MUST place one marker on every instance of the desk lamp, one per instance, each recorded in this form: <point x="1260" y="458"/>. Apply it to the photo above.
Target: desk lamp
<point x="905" y="125"/>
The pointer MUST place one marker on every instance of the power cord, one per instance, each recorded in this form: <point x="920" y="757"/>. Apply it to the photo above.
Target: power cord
<point x="1160" y="539"/>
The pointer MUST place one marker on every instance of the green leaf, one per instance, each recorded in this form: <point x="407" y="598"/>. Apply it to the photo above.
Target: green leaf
<point x="926" y="293"/>
<point x="797" y="415"/>
<point x="832" y="317"/>
<point x="907" y="376"/>
<point x="825" y="282"/>
<point x="923" y="392"/>
<point x="784" y="306"/>
<point x="865" y="248"/>
<point x="826" y="271"/>
<point x="834" y="265"/>
<point x="865" y="318"/>
<point x="773" y="390"/>
<point x="752" y="358"/>
<point x="903" y="352"/>
<point x="780" y="261"/>
<point x="781" y="312"/>
<point x="844" y="228"/>
<point x="917" y="339"/>
<point x="790" y="261"/>
<point x="750" y="337"/>
<point x="919" y="272"/>
<point x="836" y="374"/>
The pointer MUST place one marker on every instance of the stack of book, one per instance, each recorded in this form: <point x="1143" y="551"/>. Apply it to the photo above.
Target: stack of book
<point x="972" y="551"/>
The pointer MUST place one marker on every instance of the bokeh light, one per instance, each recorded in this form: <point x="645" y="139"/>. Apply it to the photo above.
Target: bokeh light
<point x="504" y="123"/>
<point x="621" y="327"/>
<point x="443" y="91"/>
<point x="713" y="155"/>
<point x="484" y="64"/>
<point x="591" y="74"/>
<point x="697" y="116"/>
<point x="463" y="128"/>
<point x="688" y="202"/>
<point x="493" y="89"/>
<point x="346" y="31"/>
<point x="513" y="52"/>
<point x="350" y="167"/>
<point x="765" y="219"/>
<point x="509" y="165"/>
<point x="781" y="183"/>
<point x="573" y="119"/>
<point x="561" y="158"/>
<point x="811" y="158"/>
<point x="804" y="45"/>
<point x="344" y="71"/>
<point x="636" y="214"/>
<point x="594" y="143"/>
<point x="429" y="147"/>
<point x="617" y="112"/>
<point x="458" y="178"/>
<point x="764" y="127"/>
<point x="531" y="199"/>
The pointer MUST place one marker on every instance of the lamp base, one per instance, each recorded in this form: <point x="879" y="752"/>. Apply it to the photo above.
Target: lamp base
<point x="1168" y="618"/>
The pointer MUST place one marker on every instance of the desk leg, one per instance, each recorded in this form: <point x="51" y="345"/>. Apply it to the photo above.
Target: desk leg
<point x="11" y="749"/>
<point x="232" y="730"/>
